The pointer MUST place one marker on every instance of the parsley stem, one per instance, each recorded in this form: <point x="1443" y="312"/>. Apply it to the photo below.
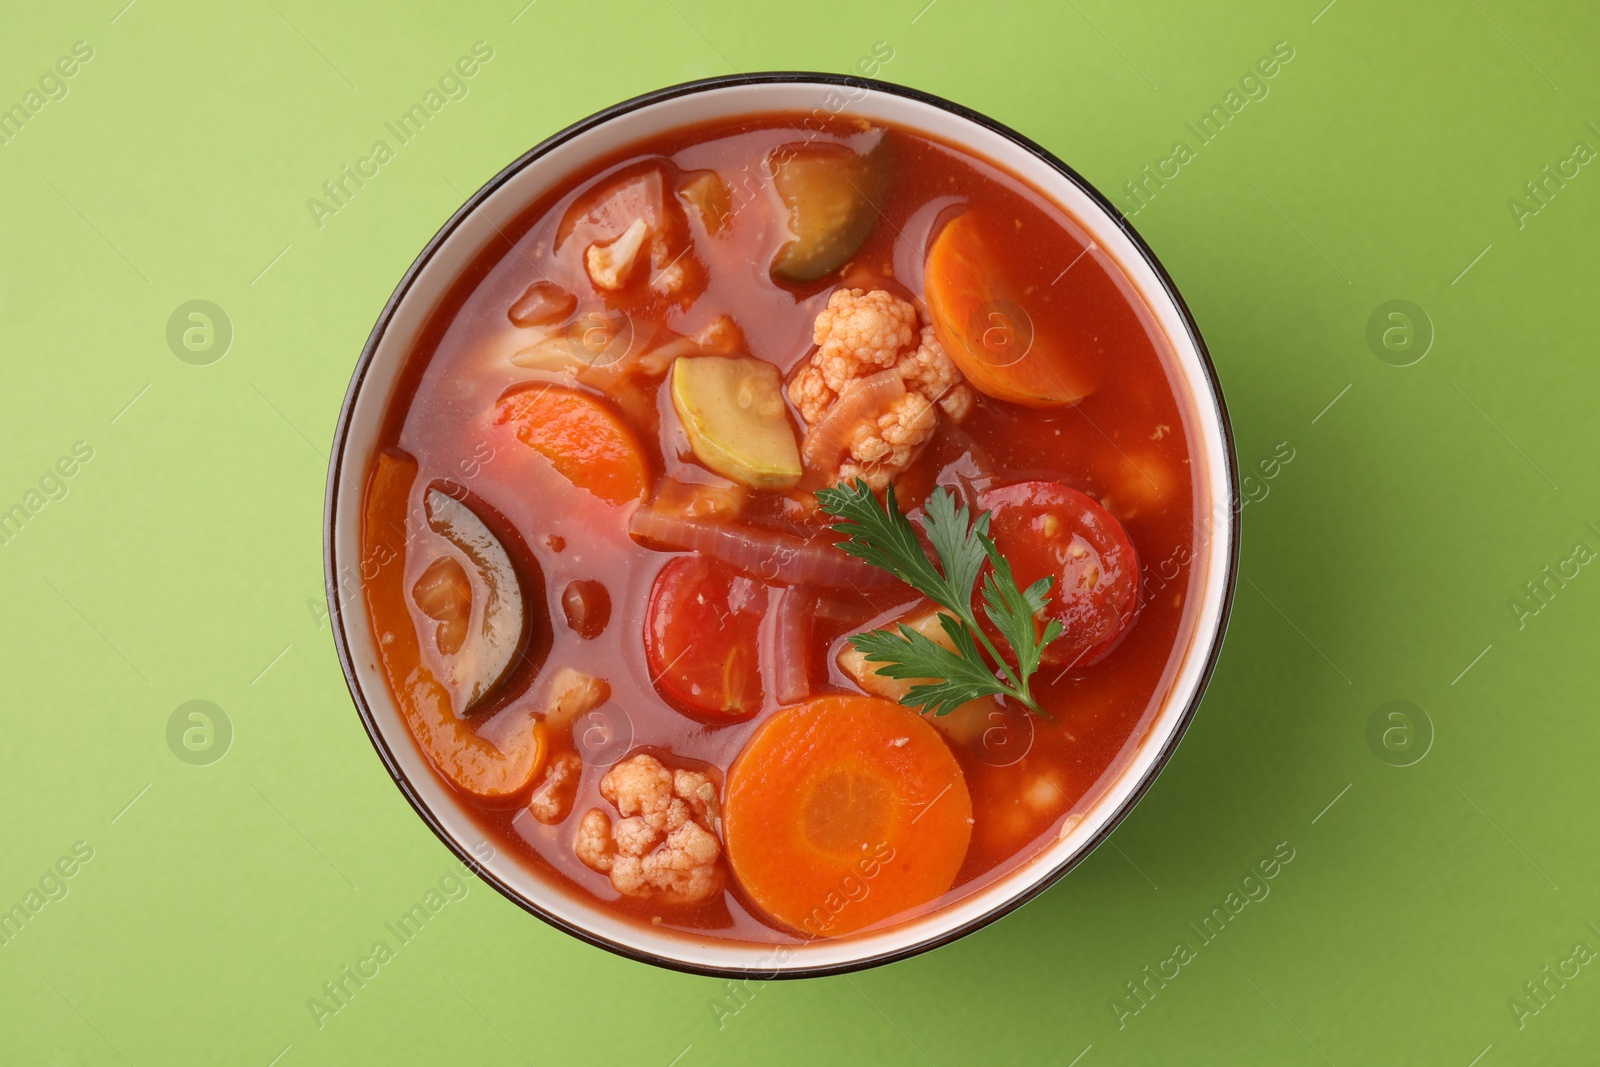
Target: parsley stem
<point x="1017" y="687"/>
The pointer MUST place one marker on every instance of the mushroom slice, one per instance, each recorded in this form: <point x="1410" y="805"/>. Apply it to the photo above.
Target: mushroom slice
<point x="502" y="636"/>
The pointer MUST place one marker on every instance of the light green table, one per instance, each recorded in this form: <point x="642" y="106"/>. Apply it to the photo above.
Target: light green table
<point x="180" y="561"/>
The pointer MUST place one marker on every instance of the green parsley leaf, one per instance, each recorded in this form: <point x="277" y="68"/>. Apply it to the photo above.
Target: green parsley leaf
<point x="882" y="535"/>
<point x="910" y="654"/>
<point x="1013" y="610"/>
<point x="958" y="542"/>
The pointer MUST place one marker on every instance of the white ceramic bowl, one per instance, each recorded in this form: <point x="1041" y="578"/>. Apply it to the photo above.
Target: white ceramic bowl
<point x="550" y="163"/>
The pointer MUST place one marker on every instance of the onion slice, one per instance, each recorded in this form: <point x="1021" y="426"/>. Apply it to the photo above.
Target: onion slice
<point x="788" y="668"/>
<point x="768" y="555"/>
<point x="827" y="442"/>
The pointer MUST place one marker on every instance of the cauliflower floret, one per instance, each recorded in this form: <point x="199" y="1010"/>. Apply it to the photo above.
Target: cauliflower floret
<point x="639" y="786"/>
<point x="665" y="846"/>
<point x="610" y="263"/>
<point x="573" y="694"/>
<point x="553" y="798"/>
<point x="861" y="333"/>
<point x="668" y="276"/>
<point x="811" y="394"/>
<point x="592" y="843"/>
<point x="628" y="223"/>
<point x="883" y="448"/>
<point x="723" y="334"/>
<point x="934" y="374"/>
<point x="1044" y="792"/>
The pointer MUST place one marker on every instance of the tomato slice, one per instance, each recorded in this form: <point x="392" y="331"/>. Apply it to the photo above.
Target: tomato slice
<point x="1046" y="529"/>
<point x="701" y="639"/>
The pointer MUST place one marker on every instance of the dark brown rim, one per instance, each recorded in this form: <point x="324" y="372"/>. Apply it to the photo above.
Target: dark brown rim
<point x="400" y="292"/>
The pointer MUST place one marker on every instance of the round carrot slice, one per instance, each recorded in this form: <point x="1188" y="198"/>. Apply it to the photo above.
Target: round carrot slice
<point x="979" y="312"/>
<point x="588" y="444"/>
<point x="844" y="811"/>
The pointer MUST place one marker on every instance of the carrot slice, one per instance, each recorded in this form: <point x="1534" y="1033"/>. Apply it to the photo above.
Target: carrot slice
<point x="589" y="445"/>
<point x="979" y="314"/>
<point x="844" y="811"/>
<point x="468" y="761"/>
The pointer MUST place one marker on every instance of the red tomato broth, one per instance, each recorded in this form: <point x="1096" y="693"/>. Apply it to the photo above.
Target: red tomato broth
<point x="1125" y="445"/>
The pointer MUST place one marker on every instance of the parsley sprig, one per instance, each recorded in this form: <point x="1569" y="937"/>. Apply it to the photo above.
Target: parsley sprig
<point x="883" y="536"/>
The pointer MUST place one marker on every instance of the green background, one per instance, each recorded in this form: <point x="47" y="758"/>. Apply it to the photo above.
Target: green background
<point x="1380" y="564"/>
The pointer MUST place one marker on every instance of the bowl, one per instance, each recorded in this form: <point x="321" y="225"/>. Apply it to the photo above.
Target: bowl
<point x="479" y="220"/>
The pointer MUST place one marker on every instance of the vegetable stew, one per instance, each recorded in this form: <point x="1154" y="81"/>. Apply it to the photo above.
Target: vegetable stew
<point x="782" y="529"/>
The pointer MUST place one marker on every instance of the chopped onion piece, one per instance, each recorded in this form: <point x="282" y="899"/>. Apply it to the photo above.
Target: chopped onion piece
<point x="771" y="556"/>
<point x="788" y="668"/>
<point x="555" y="354"/>
<point x="864" y="399"/>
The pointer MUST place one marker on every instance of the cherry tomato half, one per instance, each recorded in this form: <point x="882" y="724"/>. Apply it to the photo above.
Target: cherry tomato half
<point x="701" y="639"/>
<point x="1045" y="528"/>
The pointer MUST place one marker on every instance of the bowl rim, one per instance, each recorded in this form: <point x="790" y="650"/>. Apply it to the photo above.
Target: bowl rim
<point x="1039" y="884"/>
